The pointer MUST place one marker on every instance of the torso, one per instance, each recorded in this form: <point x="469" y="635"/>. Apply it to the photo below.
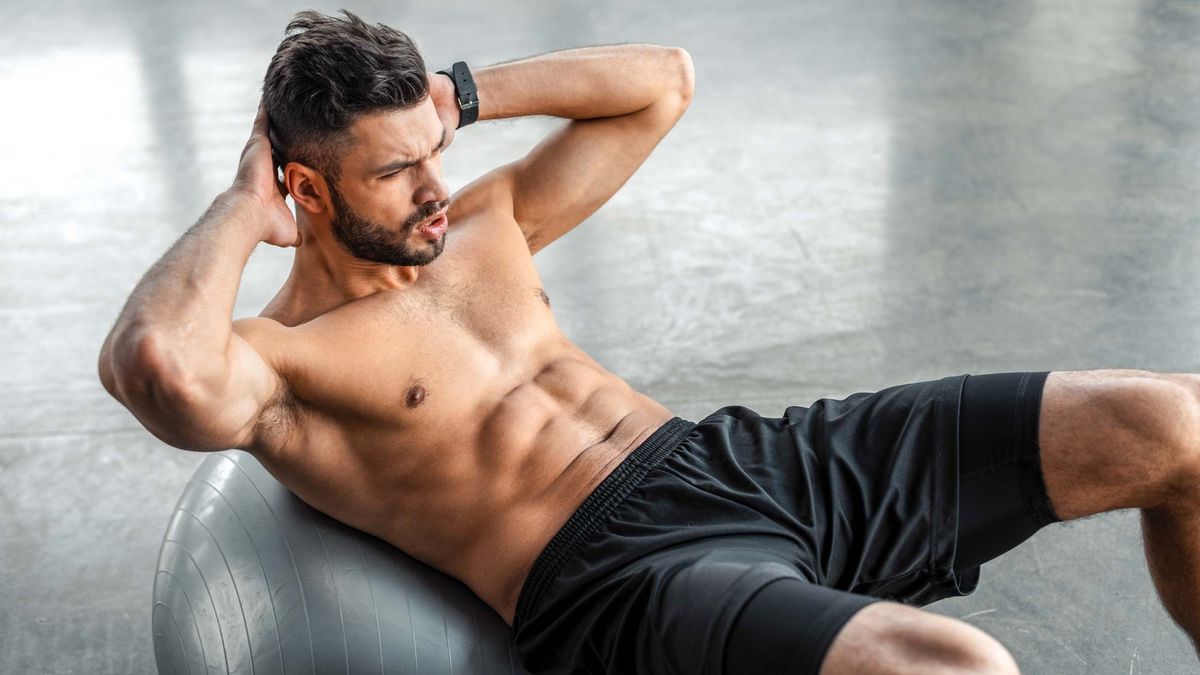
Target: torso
<point x="452" y="419"/>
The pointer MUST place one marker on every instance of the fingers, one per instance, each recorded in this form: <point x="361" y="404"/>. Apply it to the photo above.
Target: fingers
<point x="258" y="145"/>
<point x="260" y="121"/>
<point x="257" y="133"/>
<point x="262" y="128"/>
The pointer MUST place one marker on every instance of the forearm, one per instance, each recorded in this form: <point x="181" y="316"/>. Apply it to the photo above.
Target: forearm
<point x="177" y="322"/>
<point x="581" y="83"/>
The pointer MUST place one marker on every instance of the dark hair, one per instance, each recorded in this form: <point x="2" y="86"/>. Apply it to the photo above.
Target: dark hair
<point x="326" y="74"/>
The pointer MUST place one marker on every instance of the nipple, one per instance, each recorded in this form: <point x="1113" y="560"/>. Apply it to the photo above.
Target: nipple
<point x="414" y="397"/>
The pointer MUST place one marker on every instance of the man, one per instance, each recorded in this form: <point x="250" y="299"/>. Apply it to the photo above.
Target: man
<point x="409" y="379"/>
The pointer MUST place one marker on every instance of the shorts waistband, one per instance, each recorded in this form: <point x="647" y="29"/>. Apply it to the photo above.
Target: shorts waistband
<point x="592" y="512"/>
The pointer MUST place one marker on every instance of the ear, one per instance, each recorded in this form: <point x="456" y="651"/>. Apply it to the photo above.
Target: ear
<point x="307" y="187"/>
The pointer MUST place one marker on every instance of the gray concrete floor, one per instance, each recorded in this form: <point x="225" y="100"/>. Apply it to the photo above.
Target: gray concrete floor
<point x="861" y="195"/>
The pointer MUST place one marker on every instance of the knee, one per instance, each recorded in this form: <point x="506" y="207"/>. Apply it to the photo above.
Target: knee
<point x="985" y="655"/>
<point x="1182" y="435"/>
<point x="890" y="637"/>
<point x="968" y="650"/>
<point x="1158" y="414"/>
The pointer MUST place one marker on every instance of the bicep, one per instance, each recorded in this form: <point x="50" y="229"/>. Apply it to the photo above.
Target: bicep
<point x="578" y="167"/>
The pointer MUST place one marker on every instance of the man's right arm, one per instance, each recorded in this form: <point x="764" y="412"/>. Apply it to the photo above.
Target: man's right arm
<point x="172" y="357"/>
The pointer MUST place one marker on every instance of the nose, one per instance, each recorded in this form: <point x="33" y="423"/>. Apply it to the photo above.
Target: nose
<point x="433" y="188"/>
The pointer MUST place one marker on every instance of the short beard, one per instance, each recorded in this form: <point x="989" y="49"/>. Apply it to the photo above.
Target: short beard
<point x="366" y="239"/>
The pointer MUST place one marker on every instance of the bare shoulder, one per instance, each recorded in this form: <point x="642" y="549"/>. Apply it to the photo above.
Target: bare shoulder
<point x="259" y="327"/>
<point x="489" y="198"/>
<point x="489" y="192"/>
<point x="268" y="336"/>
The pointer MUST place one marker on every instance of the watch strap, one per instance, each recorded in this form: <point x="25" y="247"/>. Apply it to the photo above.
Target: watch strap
<point x="465" y="92"/>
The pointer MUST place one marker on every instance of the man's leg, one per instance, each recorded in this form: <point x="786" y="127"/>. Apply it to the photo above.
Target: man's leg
<point x="1118" y="439"/>
<point x="1108" y="440"/>
<point x="889" y="638"/>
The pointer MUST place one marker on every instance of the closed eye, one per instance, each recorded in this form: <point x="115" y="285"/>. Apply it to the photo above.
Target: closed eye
<point x="393" y="174"/>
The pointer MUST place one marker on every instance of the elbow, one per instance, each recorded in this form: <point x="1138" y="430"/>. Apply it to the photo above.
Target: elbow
<point x="685" y="75"/>
<point x="136" y="372"/>
<point x="139" y="374"/>
<point x="105" y="368"/>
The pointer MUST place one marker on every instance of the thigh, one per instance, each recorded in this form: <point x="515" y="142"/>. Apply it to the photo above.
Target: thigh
<point x="1040" y="447"/>
<point x="792" y="626"/>
<point x="788" y="626"/>
<point x="962" y="483"/>
<point x="666" y="612"/>
<point x="1002" y="497"/>
<point x="692" y="600"/>
<point x="875" y="489"/>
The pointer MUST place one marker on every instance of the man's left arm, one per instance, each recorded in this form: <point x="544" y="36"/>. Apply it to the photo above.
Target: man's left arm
<point x="621" y="100"/>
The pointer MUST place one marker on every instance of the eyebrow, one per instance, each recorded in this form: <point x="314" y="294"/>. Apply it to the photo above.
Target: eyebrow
<point x="391" y="167"/>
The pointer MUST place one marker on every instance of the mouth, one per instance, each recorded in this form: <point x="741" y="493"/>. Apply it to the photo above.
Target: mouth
<point x="433" y="226"/>
<point x="429" y="221"/>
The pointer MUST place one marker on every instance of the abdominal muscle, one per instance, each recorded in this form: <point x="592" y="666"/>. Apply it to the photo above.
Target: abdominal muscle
<point x="476" y="486"/>
<point x="572" y="450"/>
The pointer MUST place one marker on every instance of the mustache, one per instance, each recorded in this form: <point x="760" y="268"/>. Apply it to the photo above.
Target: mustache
<point x="426" y="212"/>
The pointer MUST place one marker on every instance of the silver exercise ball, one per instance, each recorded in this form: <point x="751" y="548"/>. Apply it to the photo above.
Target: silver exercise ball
<point x="252" y="579"/>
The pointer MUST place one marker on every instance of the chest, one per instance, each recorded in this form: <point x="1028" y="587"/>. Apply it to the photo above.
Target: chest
<point x="472" y="331"/>
<point x="483" y="293"/>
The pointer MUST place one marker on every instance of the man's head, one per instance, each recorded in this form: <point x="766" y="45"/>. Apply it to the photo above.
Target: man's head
<point x="358" y="135"/>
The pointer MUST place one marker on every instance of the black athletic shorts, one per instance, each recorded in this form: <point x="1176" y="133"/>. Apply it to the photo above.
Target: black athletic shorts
<point x="743" y="544"/>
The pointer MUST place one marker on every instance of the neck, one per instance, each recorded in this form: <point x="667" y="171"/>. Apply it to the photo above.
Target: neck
<point x="324" y="276"/>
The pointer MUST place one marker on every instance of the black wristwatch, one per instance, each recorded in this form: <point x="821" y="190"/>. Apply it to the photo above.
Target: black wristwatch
<point x="467" y="94"/>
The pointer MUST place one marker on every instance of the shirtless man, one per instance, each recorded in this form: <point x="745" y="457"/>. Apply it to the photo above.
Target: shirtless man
<point x="409" y="379"/>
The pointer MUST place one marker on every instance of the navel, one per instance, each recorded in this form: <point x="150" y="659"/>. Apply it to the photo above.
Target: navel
<point x="414" y="396"/>
<point x="545" y="298"/>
